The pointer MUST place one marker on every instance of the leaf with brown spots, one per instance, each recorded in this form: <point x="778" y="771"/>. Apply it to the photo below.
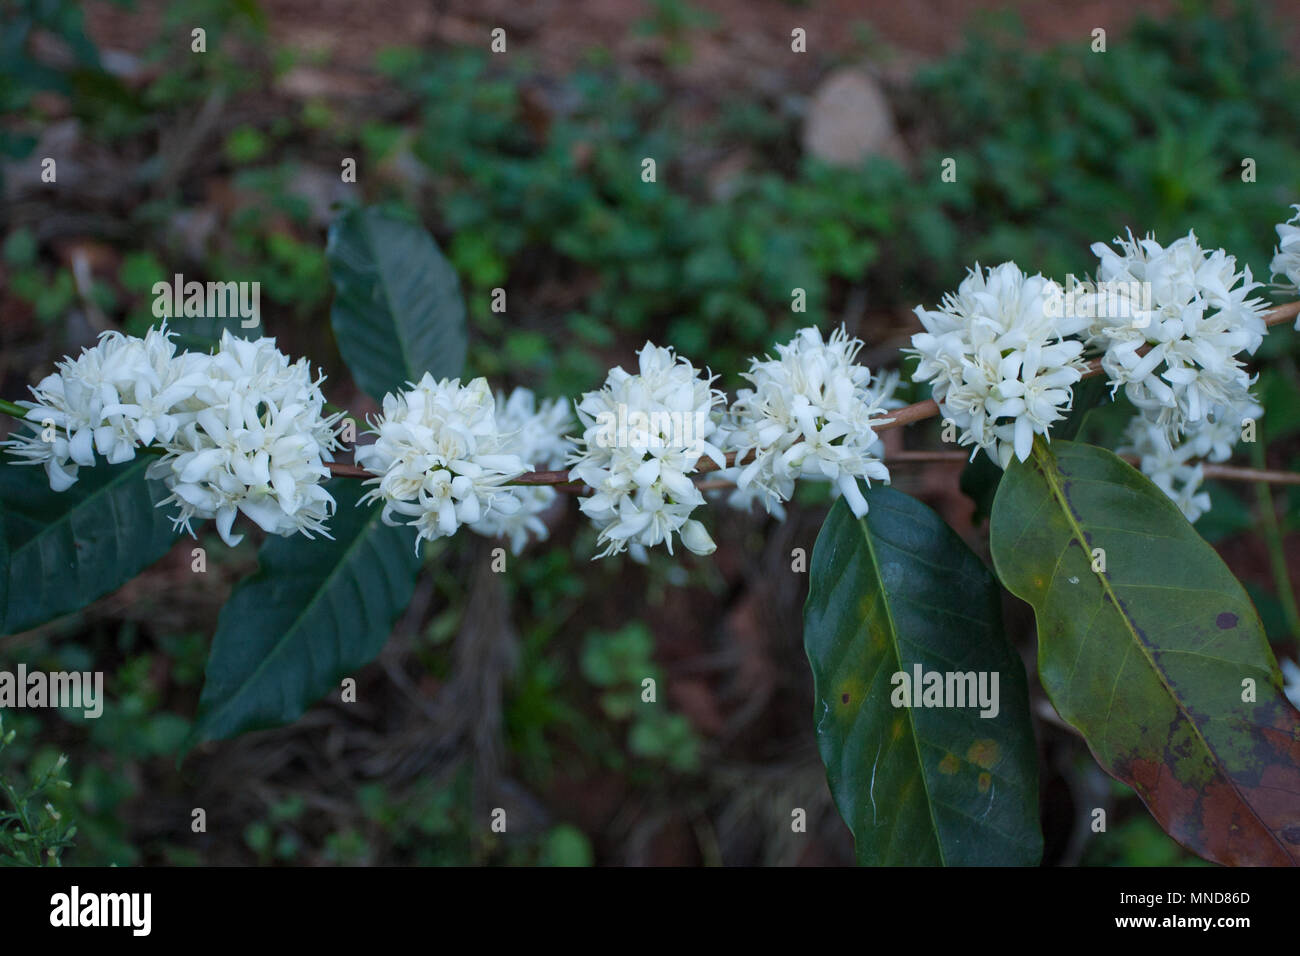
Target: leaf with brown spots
<point x="917" y="785"/>
<point x="1148" y="658"/>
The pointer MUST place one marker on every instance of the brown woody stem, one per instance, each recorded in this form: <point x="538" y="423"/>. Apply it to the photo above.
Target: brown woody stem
<point x="896" y="419"/>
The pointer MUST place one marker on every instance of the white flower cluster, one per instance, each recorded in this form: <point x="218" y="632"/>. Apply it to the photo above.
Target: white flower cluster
<point x="243" y="429"/>
<point x="998" y="354"/>
<point x="643" y="437"/>
<point x="536" y="433"/>
<point x="240" y="430"/>
<point x="1286" y="258"/>
<point x="441" y="458"/>
<point x="810" y="414"/>
<point x="252" y="437"/>
<point x="1177" y="469"/>
<point x="1171" y="322"/>
<point x="1172" y="469"/>
<point x="112" y="399"/>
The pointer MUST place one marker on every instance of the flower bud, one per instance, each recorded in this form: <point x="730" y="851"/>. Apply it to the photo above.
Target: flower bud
<point x="696" y="538"/>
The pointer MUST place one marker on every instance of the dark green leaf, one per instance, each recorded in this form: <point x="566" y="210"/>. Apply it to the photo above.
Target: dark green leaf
<point x="979" y="482"/>
<point x="1277" y="394"/>
<point x="1150" y="657"/>
<point x="891" y="592"/>
<point x="1086" y="395"/>
<point x="69" y="548"/>
<point x="397" y="310"/>
<point x="315" y="611"/>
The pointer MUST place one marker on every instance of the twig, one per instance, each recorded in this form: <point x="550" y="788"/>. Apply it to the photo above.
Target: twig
<point x="897" y="419"/>
<point x="341" y="470"/>
<point x="1221" y="472"/>
<point x="910" y="413"/>
<point x="1238" y="473"/>
<point x="948" y="457"/>
<point x="1272" y="534"/>
<point x="715" y="484"/>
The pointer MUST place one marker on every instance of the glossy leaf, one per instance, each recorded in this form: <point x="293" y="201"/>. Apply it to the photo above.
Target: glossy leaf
<point x="315" y="611"/>
<point x="920" y="785"/>
<point x="69" y="548"/>
<point x="397" y="310"/>
<point x="979" y="482"/>
<point x="1150" y="657"/>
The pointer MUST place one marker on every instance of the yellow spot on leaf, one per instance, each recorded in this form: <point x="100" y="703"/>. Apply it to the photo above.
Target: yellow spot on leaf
<point x="867" y="613"/>
<point x="984" y="753"/>
<point x="986" y="781"/>
<point x="949" y="764"/>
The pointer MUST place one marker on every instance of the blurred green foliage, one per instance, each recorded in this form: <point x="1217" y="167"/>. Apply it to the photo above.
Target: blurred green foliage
<point x="1071" y="147"/>
<point x="620" y="664"/>
<point x="33" y="831"/>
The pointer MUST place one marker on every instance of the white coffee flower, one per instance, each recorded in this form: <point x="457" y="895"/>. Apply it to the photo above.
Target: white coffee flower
<point x="253" y="438"/>
<point x="1188" y="308"/>
<point x="1175" y="467"/>
<point x="997" y="353"/>
<point x="441" y="457"/>
<point x="1219" y="432"/>
<point x="812" y="414"/>
<point x="536" y="434"/>
<point x="1286" y="258"/>
<point x="643" y="436"/>
<point x="1291" y="681"/>
<point x="752" y="495"/>
<point x="1173" y="470"/>
<point x="116" y="397"/>
<point x="63" y="436"/>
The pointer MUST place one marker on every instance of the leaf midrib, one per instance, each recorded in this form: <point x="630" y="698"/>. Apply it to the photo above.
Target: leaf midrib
<point x="911" y="718"/>
<point x="296" y="624"/>
<point x="126" y="475"/>
<point x="398" y="327"/>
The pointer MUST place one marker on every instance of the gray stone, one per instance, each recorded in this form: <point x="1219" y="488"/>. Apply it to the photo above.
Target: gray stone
<point x="849" y="119"/>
